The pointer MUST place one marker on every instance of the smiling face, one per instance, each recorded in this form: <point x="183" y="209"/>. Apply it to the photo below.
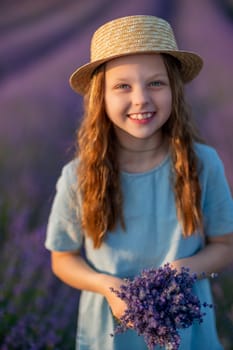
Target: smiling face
<point x="138" y="97"/>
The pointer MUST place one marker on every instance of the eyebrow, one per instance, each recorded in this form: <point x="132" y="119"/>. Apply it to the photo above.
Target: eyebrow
<point x="158" y="75"/>
<point x="121" y="80"/>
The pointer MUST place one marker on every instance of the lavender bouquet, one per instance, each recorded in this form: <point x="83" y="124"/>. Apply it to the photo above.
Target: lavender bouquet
<point x="159" y="303"/>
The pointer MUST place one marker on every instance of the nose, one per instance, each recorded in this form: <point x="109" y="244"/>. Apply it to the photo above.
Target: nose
<point x="140" y="96"/>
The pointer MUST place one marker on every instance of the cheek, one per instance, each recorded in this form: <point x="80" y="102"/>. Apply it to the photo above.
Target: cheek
<point x="167" y="102"/>
<point x="112" y="104"/>
<point x="109" y="101"/>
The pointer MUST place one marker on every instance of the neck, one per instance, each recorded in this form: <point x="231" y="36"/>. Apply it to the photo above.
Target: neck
<point x="149" y="149"/>
<point x="139" y="160"/>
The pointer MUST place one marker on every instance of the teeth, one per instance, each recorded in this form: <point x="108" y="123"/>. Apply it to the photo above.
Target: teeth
<point x="141" y="116"/>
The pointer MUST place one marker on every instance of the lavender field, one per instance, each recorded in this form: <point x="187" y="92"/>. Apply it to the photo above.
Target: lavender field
<point x="40" y="45"/>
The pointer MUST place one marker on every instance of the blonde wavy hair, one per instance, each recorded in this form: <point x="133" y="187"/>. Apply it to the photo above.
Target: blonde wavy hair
<point x="98" y="173"/>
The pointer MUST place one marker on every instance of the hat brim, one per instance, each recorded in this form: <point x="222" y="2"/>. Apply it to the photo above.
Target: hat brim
<point x="190" y="66"/>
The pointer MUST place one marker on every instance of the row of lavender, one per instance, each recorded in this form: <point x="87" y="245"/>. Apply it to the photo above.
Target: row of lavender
<point x="36" y="310"/>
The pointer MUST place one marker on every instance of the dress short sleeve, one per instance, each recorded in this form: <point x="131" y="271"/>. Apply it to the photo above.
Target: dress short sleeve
<point x="63" y="231"/>
<point x="217" y="197"/>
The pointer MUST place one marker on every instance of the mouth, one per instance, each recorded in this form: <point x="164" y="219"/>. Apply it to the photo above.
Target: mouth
<point x="141" y="116"/>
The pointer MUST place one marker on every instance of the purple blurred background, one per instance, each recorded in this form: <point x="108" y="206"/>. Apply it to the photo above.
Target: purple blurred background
<point x="41" y="43"/>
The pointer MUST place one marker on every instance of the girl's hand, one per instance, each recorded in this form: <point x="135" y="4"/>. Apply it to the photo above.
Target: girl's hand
<point x="117" y="305"/>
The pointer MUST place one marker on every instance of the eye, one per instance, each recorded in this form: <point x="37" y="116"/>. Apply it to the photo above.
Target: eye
<point x="156" y="83"/>
<point x="122" y="86"/>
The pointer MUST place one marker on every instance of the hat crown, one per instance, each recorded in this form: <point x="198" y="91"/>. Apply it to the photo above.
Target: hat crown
<point x="132" y="34"/>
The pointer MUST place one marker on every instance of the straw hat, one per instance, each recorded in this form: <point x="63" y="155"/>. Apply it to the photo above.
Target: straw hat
<point x="132" y="35"/>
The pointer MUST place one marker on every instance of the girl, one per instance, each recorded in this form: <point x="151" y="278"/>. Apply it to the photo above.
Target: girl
<point x="142" y="190"/>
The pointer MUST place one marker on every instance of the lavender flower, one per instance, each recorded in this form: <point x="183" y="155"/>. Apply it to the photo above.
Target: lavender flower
<point x="159" y="303"/>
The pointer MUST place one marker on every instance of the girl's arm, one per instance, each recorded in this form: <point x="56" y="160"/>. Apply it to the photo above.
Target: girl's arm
<point x="72" y="269"/>
<point x="216" y="256"/>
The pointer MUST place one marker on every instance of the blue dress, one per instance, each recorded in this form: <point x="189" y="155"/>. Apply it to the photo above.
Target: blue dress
<point x="153" y="237"/>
